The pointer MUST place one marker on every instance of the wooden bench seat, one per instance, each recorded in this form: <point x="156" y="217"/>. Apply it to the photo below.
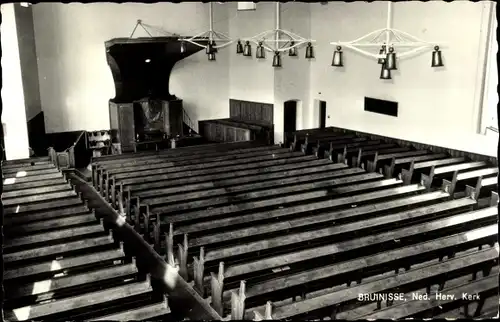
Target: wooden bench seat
<point x="50" y="268"/>
<point x="349" y="271"/>
<point x="449" y="170"/>
<point x="21" y="218"/>
<point x="483" y="186"/>
<point x="27" y="172"/>
<point x="266" y="188"/>
<point x="145" y="313"/>
<point x="397" y="163"/>
<point x="329" y="151"/>
<point x="85" y="218"/>
<point x="43" y="253"/>
<point x="35" y="191"/>
<point x="338" y="232"/>
<point x="192" y="158"/>
<point x="484" y="288"/>
<point x="165" y="181"/>
<point x="203" y="235"/>
<point x="11" y="185"/>
<point x="351" y="151"/>
<point x="300" y="174"/>
<point x="45" y="205"/>
<point x="41" y="197"/>
<point x="311" y="137"/>
<point x="28" y="167"/>
<point x="70" y="282"/>
<point x="72" y="303"/>
<point x="407" y="174"/>
<point x="308" y="144"/>
<point x="9" y="164"/>
<point x="373" y="165"/>
<point x="56" y="236"/>
<point x="426" y="275"/>
<point x="236" y="214"/>
<point x="237" y="204"/>
<point x="404" y="236"/>
<point x="463" y="178"/>
<point x="364" y="154"/>
<point x="33" y="178"/>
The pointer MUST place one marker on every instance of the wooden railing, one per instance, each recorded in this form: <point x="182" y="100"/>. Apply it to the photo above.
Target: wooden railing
<point x="186" y="119"/>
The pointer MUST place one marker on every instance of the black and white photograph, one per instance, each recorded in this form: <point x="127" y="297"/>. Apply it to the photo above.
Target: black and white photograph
<point x="220" y="161"/>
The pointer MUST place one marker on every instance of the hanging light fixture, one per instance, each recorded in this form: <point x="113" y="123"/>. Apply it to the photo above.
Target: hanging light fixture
<point x="183" y="47"/>
<point x="239" y="47"/>
<point x="260" y="52"/>
<point x="309" y="51"/>
<point x="405" y="43"/>
<point x="437" y="59"/>
<point x="292" y="52"/>
<point x="277" y="59"/>
<point x="390" y="60"/>
<point x="283" y="41"/>
<point x="385" y="73"/>
<point x="381" y="53"/>
<point x="337" y="60"/>
<point x="247" y="51"/>
<point x="207" y="39"/>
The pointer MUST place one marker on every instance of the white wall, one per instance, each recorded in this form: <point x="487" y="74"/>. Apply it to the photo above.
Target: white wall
<point x="439" y="107"/>
<point x="291" y="82"/>
<point x="251" y="79"/>
<point x="75" y="80"/>
<point x="29" y="64"/>
<point x="13" y="113"/>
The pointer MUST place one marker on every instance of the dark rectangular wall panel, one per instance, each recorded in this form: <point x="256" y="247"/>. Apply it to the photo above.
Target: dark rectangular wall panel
<point x="379" y="106"/>
<point x="261" y="113"/>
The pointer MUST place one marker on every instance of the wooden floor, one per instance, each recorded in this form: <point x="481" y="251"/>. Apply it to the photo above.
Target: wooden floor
<point x="331" y="226"/>
<point x="60" y="262"/>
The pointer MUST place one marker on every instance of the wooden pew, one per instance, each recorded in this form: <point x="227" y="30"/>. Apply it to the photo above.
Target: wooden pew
<point x="351" y="151"/>
<point x="407" y="174"/>
<point x="290" y="136"/>
<point x="484" y="288"/>
<point x="483" y="186"/>
<point x="237" y="205"/>
<point x="59" y="195"/>
<point x="258" y="167"/>
<point x="364" y="154"/>
<point x="309" y="142"/>
<point x="46" y="205"/>
<point x="29" y="167"/>
<point x="373" y="165"/>
<point x="404" y="236"/>
<point x="307" y="137"/>
<point x="348" y="271"/>
<point x="11" y="185"/>
<point x="389" y="169"/>
<point x="144" y="313"/>
<point x="44" y="310"/>
<point x="34" y="191"/>
<point x="16" y="219"/>
<point x="463" y="178"/>
<point x="318" y="169"/>
<point x="329" y="151"/>
<point x="334" y="233"/>
<point x="407" y="281"/>
<point x="449" y="170"/>
<point x="238" y="228"/>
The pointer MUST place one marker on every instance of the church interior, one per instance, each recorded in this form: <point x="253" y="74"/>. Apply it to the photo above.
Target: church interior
<point x="249" y="161"/>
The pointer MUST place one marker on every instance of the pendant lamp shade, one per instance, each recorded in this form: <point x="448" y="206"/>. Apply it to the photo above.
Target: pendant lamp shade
<point x="214" y="49"/>
<point x="247" y="50"/>
<point x="390" y="60"/>
<point x="260" y="52"/>
<point x="437" y="59"/>
<point x="183" y="47"/>
<point x="210" y="48"/>
<point x="277" y="59"/>
<point x="384" y="72"/>
<point x="337" y="60"/>
<point x="292" y="52"/>
<point x="211" y="56"/>
<point x="309" y="51"/>
<point x="382" y="52"/>
<point x="239" y="47"/>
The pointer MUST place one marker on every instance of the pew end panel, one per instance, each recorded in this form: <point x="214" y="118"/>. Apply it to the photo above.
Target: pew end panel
<point x="407" y="175"/>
